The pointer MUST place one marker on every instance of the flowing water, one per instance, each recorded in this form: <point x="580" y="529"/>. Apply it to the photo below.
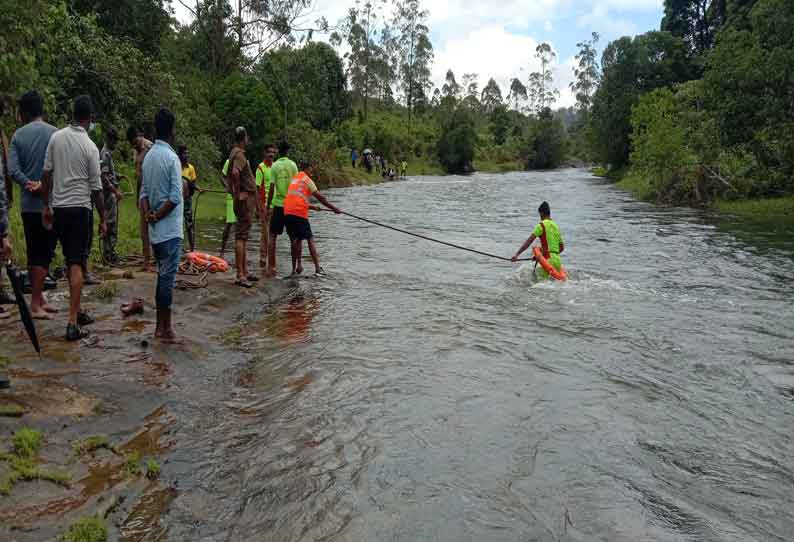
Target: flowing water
<point x="423" y="393"/>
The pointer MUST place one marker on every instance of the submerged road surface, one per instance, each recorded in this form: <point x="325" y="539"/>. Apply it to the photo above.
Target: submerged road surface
<point x="422" y="393"/>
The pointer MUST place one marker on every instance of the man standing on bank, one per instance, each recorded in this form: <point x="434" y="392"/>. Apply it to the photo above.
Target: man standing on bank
<point x="281" y="175"/>
<point x="141" y="146"/>
<point x="70" y="181"/>
<point x="242" y="186"/>
<point x="112" y="196"/>
<point x="162" y="201"/>
<point x="25" y="164"/>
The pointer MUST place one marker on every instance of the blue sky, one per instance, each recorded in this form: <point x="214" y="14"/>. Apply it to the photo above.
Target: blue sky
<point x="497" y="38"/>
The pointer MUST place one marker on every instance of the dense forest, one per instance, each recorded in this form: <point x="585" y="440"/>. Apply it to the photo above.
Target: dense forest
<point x="702" y="108"/>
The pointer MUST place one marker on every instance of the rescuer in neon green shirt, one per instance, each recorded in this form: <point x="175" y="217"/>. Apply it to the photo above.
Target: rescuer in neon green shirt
<point x="550" y="239"/>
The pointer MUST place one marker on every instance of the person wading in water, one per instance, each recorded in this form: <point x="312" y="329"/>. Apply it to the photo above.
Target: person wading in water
<point x="550" y="239"/>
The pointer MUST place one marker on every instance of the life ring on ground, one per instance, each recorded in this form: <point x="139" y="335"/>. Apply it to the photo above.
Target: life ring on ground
<point x="213" y="264"/>
<point x="544" y="263"/>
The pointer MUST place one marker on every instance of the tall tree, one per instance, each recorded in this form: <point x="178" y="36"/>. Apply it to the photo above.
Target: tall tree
<point x="143" y="22"/>
<point x="491" y="96"/>
<point x="518" y="93"/>
<point x="585" y="73"/>
<point x="694" y="21"/>
<point x="541" y="83"/>
<point x="415" y="52"/>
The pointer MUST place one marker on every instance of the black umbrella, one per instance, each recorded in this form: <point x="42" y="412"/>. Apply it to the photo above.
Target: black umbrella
<point x="24" y="311"/>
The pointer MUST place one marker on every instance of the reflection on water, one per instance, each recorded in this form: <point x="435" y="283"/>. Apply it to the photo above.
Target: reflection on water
<point x="422" y="393"/>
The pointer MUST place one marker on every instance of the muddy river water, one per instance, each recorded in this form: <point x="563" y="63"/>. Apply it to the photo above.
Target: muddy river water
<point x="422" y="393"/>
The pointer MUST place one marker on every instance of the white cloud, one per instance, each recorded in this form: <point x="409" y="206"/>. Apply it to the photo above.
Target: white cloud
<point x="492" y="51"/>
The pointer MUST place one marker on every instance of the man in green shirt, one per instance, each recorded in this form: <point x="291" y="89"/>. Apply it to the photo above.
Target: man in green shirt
<point x="550" y="237"/>
<point x="263" y="181"/>
<point x="281" y="175"/>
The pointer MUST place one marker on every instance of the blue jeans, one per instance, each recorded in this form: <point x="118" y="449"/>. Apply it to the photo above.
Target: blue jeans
<point x="167" y="255"/>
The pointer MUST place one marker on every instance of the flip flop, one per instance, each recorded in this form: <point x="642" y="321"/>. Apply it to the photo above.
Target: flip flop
<point x="242" y="283"/>
<point x="252" y="278"/>
<point x="133" y="307"/>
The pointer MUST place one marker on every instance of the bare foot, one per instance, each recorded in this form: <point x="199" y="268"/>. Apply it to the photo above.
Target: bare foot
<point x="50" y="309"/>
<point x="298" y="271"/>
<point x="147" y="268"/>
<point x="40" y="314"/>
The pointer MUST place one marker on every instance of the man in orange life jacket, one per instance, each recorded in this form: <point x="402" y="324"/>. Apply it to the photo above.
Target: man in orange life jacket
<point x="296" y="217"/>
<point x="552" y="244"/>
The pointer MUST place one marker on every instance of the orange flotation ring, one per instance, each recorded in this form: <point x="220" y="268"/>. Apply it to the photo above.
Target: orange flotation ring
<point x="213" y="264"/>
<point x="544" y="263"/>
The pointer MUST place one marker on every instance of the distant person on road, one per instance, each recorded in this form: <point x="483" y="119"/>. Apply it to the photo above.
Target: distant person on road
<point x="264" y="179"/>
<point x="231" y="219"/>
<point x="296" y="217"/>
<point x="25" y="164"/>
<point x="190" y="180"/>
<point x="70" y="181"/>
<point x="162" y="200"/>
<point x="551" y="241"/>
<point x="242" y="186"/>
<point x="111" y="195"/>
<point x="141" y="146"/>
<point x="282" y="172"/>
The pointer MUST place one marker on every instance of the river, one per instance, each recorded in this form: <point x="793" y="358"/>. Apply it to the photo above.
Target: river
<point x="423" y="393"/>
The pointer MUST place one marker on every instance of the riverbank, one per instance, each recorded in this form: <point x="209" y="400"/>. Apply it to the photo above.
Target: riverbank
<point x="103" y="408"/>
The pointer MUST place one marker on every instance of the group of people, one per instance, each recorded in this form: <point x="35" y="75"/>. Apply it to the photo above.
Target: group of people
<point x="64" y="177"/>
<point x="372" y="161"/>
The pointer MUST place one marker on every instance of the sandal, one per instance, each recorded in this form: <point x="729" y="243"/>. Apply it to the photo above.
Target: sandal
<point x="242" y="283"/>
<point x="252" y="278"/>
<point x="75" y="333"/>
<point x="84" y="319"/>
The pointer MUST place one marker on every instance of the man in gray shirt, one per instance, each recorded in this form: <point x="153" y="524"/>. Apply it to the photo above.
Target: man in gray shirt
<point x="71" y="180"/>
<point x="111" y="194"/>
<point x="25" y="163"/>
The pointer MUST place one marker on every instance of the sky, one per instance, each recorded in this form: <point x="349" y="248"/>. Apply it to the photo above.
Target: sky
<point x="497" y="38"/>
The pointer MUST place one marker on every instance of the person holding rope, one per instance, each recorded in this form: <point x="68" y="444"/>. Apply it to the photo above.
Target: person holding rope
<point x="550" y="237"/>
<point x="296" y="217"/>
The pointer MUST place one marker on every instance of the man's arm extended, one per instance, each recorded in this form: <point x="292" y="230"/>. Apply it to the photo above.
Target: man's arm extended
<point x="327" y="203"/>
<point x="525" y="246"/>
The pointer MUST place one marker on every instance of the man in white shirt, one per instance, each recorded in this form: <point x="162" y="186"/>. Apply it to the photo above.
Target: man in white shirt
<point x="71" y="180"/>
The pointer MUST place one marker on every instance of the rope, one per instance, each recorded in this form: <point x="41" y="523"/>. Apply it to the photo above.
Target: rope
<point x="426" y="238"/>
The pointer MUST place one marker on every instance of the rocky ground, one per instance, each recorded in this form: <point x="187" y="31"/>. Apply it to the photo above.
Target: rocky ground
<point x="102" y="406"/>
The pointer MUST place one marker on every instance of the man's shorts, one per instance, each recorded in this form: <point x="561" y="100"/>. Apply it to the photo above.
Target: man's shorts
<point x="243" y="211"/>
<point x="40" y="241"/>
<point x="230" y="216"/>
<point x="277" y="221"/>
<point x="72" y="225"/>
<point x="298" y="228"/>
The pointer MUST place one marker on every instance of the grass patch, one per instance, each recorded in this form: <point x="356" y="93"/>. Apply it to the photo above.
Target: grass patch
<point x="26" y="442"/>
<point x="599" y="171"/>
<point x="152" y="469"/>
<point x="11" y="410"/>
<point x="4" y="362"/>
<point x="637" y="185"/>
<point x="232" y="335"/>
<point x="759" y="208"/>
<point x="107" y="290"/>
<point x="92" y="444"/>
<point x="132" y="463"/>
<point x="91" y="529"/>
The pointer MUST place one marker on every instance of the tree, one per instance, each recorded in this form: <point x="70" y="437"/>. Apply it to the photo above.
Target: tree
<point x="500" y="124"/>
<point x="457" y="142"/>
<point x="415" y="52"/>
<point x="541" y="91"/>
<point x="518" y="93"/>
<point x="491" y="97"/>
<point x="548" y="143"/>
<point x="694" y="21"/>
<point x="630" y="68"/>
<point x="586" y="74"/>
<point x="143" y="22"/>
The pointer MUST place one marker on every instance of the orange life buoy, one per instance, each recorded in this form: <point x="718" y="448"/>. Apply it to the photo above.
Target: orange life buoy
<point x="544" y="263"/>
<point x="212" y="263"/>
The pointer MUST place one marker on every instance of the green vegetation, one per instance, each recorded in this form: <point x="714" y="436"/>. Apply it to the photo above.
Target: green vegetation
<point x="90" y="529"/>
<point x="132" y="463"/>
<point x="152" y="469"/>
<point x="92" y="444"/>
<point x="696" y="111"/>
<point x="11" y="410"/>
<point x="107" y="290"/>
<point x="777" y="208"/>
<point x="23" y="462"/>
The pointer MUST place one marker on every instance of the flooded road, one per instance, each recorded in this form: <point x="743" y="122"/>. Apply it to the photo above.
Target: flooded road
<point x="422" y="393"/>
